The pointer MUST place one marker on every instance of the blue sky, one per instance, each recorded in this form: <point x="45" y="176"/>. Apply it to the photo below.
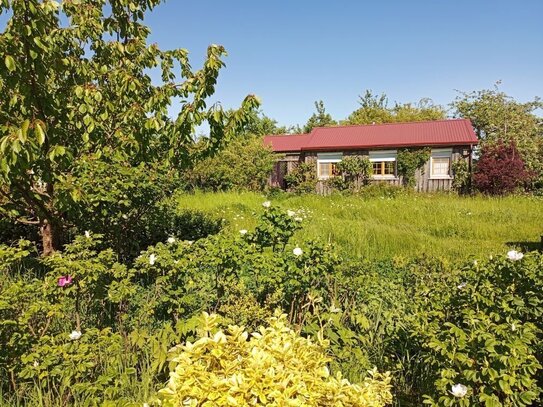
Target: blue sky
<point x="291" y="53"/>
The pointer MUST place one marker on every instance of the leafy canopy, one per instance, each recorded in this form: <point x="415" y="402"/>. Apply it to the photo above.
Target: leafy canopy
<point x="77" y="86"/>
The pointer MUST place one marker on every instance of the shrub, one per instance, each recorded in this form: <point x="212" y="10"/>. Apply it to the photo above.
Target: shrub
<point x="355" y="170"/>
<point x="302" y="179"/>
<point x="461" y="176"/>
<point x="274" y="366"/>
<point x="500" y="169"/>
<point x="245" y="164"/>
<point x="409" y="161"/>
<point x="481" y="330"/>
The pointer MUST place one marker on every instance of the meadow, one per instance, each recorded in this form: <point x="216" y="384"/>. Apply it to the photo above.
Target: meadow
<point x="384" y="226"/>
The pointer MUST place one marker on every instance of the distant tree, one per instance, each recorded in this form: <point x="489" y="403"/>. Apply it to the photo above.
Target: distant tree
<point x="500" y="169"/>
<point x="258" y="124"/>
<point x="497" y="117"/>
<point x="319" y="119"/>
<point x="424" y="110"/>
<point x="374" y="109"/>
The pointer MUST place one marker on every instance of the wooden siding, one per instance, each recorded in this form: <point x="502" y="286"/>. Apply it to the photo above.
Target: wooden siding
<point x="424" y="183"/>
<point x="282" y="167"/>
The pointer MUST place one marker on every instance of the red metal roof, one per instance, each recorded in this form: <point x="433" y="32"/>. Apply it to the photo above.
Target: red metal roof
<point x="430" y="133"/>
<point x="286" y="142"/>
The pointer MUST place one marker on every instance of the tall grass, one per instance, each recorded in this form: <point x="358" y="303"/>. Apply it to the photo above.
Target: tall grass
<point x="379" y="227"/>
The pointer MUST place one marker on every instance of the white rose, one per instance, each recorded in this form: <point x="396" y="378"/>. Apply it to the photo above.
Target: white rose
<point x="297" y="251"/>
<point x="513" y="255"/>
<point x="171" y="240"/>
<point x="459" y="390"/>
<point x="75" y="335"/>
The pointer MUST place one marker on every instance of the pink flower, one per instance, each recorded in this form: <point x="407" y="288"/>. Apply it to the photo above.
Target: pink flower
<point x="64" y="281"/>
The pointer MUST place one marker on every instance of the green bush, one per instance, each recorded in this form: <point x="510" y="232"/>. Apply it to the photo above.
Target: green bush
<point x="273" y="366"/>
<point x="302" y="179"/>
<point x="481" y="328"/>
<point x="244" y="164"/>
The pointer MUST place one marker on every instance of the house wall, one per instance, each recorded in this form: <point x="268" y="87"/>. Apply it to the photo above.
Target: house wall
<point x="285" y="164"/>
<point x="423" y="181"/>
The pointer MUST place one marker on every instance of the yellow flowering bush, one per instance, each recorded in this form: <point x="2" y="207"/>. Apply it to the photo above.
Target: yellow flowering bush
<point x="272" y="367"/>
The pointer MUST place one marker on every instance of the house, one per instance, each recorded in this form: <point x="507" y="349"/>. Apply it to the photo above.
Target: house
<point x="449" y="140"/>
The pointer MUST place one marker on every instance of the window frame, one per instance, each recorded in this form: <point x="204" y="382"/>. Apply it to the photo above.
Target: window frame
<point x="440" y="153"/>
<point x="384" y="156"/>
<point x="327" y="158"/>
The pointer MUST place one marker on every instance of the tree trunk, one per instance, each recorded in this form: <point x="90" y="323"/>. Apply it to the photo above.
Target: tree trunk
<point x="50" y="237"/>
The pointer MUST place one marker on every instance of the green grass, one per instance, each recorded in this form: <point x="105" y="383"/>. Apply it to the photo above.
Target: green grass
<point x="406" y="225"/>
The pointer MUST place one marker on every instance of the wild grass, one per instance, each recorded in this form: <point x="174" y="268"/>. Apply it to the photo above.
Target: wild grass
<point x="407" y="225"/>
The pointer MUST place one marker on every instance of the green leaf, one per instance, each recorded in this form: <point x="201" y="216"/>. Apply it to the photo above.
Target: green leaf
<point x="10" y="63"/>
<point x="40" y="134"/>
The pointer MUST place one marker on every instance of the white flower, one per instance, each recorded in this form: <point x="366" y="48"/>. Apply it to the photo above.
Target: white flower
<point x="297" y="251"/>
<point x="36" y="363"/>
<point x="125" y="216"/>
<point x="459" y="390"/>
<point x="334" y="309"/>
<point x="75" y="335"/>
<point x="291" y="213"/>
<point x="87" y="234"/>
<point x="474" y="262"/>
<point x="266" y="204"/>
<point x="171" y="240"/>
<point x="298" y="219"/>
<point x="462" y="285"/>
<point x="152" y="259"/>
<point x="513" y="255"/>
<point x="190" y="241"/>
<point x="243" y="231"/>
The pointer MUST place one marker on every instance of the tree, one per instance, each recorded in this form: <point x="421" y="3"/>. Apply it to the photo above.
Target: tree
<point x="258" y="124"/>
<point x="319" y="119"/>
<point x="374" y="109"/>
<point x="498" y="117"/>
<point x="76" y="87"/>
<point x="500" y="169"/>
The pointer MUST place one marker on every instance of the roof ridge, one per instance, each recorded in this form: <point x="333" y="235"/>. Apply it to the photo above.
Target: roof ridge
<point x="389" y="124"/>
<point x="286" y="134"/>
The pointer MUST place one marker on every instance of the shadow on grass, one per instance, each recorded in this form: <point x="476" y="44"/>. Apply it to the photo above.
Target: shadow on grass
<point x="528" y="246"/>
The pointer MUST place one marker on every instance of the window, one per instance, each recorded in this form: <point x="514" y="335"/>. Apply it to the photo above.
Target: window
<point x="383" y="163"/>
<point x="440" y="163"/>
<point x="326" y="164"/>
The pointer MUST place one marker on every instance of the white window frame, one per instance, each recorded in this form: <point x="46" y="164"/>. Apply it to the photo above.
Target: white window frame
<point x="440" y="153"/>
<point x="384" y="155"/>
<point x="327" y="158"/>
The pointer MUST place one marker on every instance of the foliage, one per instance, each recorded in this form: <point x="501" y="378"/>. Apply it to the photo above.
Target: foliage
<point x="76" y="88"/>
<point x="258" y="124"/>
<point x="484" y="332"/>
<point x="319" y="119"/>
<point x="273" y="366"/>
<point x="498" y="117"/>
<point x="245" y="164"/>
<point x="356" y="171"/>
<point x="374" y="109"/>
<point x="302" y="179"/>
<point x="461" y="176"/>
<point x="409" y="161"/>
<point x="500" y="169"/>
